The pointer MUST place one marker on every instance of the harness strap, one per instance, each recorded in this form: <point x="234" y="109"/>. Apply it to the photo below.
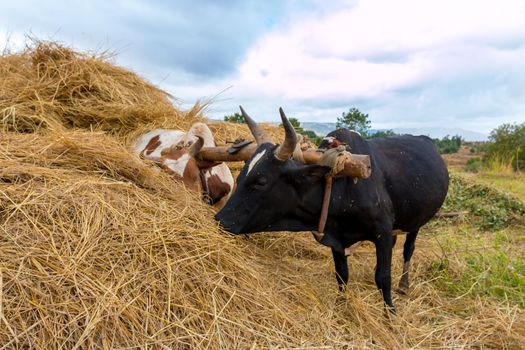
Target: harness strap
<point x="324" y="210"/>
<point x="335" y="158"/>
<point x="326" y="203"/>
<point x="204" y="184"/>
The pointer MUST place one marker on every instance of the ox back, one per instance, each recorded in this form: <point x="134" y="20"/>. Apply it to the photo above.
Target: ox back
<point x="408" y="185"/>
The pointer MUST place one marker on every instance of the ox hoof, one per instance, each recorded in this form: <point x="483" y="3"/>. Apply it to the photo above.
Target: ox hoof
<point x="402" y="291"/>
<point x="390" y="311"/>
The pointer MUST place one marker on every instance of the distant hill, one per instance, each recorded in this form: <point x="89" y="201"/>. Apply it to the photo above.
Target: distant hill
<point x="319" y="128"/>
<point x="467" y="135"/>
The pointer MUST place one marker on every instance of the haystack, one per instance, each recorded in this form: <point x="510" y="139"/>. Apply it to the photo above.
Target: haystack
<point x="49" y="85"/>
<point x="100" y="251"/>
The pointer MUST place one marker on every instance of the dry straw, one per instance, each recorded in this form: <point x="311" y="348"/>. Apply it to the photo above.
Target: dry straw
<point x="99" y="250"/>
<point x="48" y="84"/>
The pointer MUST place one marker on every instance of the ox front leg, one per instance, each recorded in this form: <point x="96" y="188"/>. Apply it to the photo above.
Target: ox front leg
<point x="341" y="269"/>
<point x="383" y="243"/>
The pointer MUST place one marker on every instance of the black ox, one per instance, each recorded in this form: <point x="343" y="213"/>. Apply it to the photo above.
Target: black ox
<point x="407" y="187"/>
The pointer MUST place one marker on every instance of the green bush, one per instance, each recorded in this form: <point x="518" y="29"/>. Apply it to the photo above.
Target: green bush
<point x="313" y="137"/>
<point x="473" y="165"/>
<point x="493" y="273"/>
<point x="234" y="118"/>
<point x="479" y="147"/>
<point x="508" y="146"/>
<point x="448" y="144"/>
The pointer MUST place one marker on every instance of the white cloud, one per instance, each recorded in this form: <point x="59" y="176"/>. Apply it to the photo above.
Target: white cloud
<point x="337" y="55"/>
<point x="405" y="62"/>
<point x="374" y="51"/>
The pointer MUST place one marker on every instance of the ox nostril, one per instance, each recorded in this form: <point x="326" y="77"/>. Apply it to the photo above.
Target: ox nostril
<point x="222" y="222"/>
<point x="227" y="225"/>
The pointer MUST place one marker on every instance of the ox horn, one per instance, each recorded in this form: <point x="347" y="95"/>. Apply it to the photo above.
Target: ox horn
<point x="195" y="148"/>
<point x="285" y="151"/>
<point x="259" y="134"/>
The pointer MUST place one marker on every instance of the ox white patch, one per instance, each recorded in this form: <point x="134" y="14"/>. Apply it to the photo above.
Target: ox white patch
<point x="166" y="139"/>
<point x="330" y="139"/>
<point x="223" y="172"/>
<point x="178" y="165"/>
<point x="255" y="160"/>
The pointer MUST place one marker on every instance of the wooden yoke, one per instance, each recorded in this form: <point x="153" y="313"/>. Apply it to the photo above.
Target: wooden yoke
<point x="221" y="154"/>
<point x="358" y="166"/>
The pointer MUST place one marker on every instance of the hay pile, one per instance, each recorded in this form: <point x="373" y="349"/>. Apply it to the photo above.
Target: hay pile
<point x="48" y="85"/>
<point x="97" y="250"/>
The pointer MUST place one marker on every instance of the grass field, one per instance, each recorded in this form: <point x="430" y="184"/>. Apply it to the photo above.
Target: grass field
<point x="503" y="179"/>
<point x="490" y="246"/>
<point x="513" y="183"/>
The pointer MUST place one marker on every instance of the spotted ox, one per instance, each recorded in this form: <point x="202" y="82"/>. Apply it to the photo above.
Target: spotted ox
<point x="175" y="152"/>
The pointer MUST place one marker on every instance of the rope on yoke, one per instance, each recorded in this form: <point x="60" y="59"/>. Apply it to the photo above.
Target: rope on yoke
<point x="335" y="158"/>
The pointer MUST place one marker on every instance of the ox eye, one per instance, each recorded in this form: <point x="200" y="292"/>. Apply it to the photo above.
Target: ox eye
<point x="260" y="183"/>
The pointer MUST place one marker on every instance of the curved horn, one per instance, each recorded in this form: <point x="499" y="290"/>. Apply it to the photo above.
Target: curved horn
<point x="285" y="151"/>
<point x="195" y="148"/>
<point x="259" y="134"/>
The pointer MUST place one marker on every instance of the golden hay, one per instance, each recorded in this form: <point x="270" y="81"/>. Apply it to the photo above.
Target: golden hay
<point x="98" y="250"/>
<point x="49" y="85"/>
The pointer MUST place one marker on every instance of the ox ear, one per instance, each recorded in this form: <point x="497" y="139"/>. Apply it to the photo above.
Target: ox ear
<point x="195" y="148"/>
<point x="310" y="173"/>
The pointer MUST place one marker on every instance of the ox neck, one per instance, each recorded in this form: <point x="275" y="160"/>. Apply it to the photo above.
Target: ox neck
<point x="321" y="193"/>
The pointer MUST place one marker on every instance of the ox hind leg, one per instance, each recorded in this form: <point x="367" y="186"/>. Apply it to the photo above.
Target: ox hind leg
<point x="341" y="269"/>
<point x="408" y="250"/>
<point x="383" y="243"/>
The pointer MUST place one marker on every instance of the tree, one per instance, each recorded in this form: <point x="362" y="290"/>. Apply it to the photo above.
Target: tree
<point x="354" y="119"/>
<point x="295" y="122"/>
<point x="234" y="118"/>
<point x="508" y="146"/>
<point x="313" y="137"/>
<point x="448" y="144"/>
<point x="308" y="133"/>
<point x="382" y="133"/>
<point x="296" y="125"/>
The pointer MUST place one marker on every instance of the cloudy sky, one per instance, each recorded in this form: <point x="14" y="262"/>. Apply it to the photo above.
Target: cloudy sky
<point x="407" y="63"/>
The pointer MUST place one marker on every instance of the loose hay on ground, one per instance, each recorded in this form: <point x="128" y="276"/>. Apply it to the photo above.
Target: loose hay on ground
<point x="89" y="259"/>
